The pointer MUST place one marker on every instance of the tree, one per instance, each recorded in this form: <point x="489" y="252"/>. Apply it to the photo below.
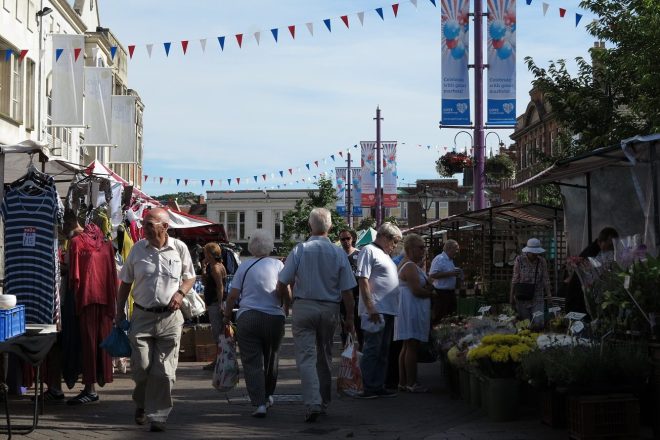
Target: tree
<point x="180" y="196"/>
<point x="617" y="95"/>
<point x="296" y="221"/>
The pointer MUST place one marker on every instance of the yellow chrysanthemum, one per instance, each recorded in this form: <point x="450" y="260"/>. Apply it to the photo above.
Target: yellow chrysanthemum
<point x="518" y="351"/>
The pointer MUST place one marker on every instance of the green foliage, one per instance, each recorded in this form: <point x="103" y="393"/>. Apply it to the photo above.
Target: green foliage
<point x="618" y="94"/>
<point x="366" y="223"/>
<point x="500" y="167"/>
<point x="296" y="221"/>
<point x="178" y="197"/>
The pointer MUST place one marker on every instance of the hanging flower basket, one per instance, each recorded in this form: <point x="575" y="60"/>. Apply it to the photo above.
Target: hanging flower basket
<point x="499" y="167"/>
<point x="452" y="163"/>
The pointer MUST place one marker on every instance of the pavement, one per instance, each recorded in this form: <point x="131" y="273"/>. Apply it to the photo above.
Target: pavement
<point x="201" y="412"/>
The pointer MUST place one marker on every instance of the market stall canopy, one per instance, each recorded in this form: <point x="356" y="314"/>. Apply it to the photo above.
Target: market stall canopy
<point x="17" y="158"/>
<point x="365" y="237"/>
<point x="178" y="219"/>
<point x="529" y="213"/>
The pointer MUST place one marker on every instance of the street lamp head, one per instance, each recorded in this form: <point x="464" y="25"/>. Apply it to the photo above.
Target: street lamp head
<point x="43" y="12"/>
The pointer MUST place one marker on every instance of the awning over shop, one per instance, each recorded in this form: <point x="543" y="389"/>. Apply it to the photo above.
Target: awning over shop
<point x="365" y="237"/>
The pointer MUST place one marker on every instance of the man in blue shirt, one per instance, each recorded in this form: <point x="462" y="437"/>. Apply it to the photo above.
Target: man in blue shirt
<point x="321" y="277"/>
<point x="444" y="274"/>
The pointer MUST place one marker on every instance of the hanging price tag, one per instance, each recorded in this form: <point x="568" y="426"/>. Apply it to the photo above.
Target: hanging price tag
<point x="577" y="327"/>
<point x="575" y="316"/>
<point x="626" y="282"/>
<point x="484" y="309"/>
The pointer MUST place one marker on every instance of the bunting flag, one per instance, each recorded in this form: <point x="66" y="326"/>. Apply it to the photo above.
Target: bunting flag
<point x="361" y="18"/>
<point x="529" y="2"/>
<point x="238" y="180"/>
<point x="310" y="28"/>
<point x="76" y="53"/>
<point x="395" y="9"/>
<point x="274" y="32"/>
<point x="161" y="180"/>
<point x="327" y="24"/>
<point x="185" y="182"/>
<point x="167" y="48"/>
<point x="229" y="182"/>
<point x="211" y="182"/>
<point x="221" y="40"/>
<point x="257" y="36"/>
<point x="131" y="49"/>
<point x="184" y="46"/>
<point x="433" y="1"/>
<point x="545" y="8"/>
<point x="341" y="153"/>
<point x="202" y="43"/>
<point x="255" y="179"/>
<point x="292" y="30"/>
<point x="264" y="177"/>
<point x="178" y="181"/>
<point x="316" y="162"/>
<point x="578" y="17"/>
<point x="22" y="55"/>
<point x="150" y="47"/>
<point x="562" y="12"/>
<point x="290" y="171"/>
<point x="113" y="52"/>
<point x="239" y="39"/>
<point x="344" y="18"/>
<point x="332" y="156"/>
<point x="203" y="182"/>
<point x="307" y="165"/>
<point x="281" y="173"/>
<point x="380" y="12"/>
<point x="146" y="177"/>
<point x="414" y="2"/>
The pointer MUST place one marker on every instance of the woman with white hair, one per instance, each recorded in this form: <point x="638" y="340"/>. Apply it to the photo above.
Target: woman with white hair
<point x="530" y="280"/>
<point x="259" y="320"/>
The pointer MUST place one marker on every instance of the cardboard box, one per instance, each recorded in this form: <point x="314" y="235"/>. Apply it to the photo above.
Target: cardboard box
<point x="187" y="345"/>
<point x="204" y="335"/>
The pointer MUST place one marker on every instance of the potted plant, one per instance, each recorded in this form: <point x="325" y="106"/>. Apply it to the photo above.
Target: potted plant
<point x="498" y="358"/>
<point x="451" y="163"/>
<point x="499" y="167"/>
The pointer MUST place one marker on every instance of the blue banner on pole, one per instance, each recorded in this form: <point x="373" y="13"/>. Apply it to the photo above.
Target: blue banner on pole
<point x="454" y="59"/>
<point x="501" y="90"/>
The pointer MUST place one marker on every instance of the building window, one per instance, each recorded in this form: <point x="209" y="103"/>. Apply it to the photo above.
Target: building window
<point x="31" y="14"/>
<point x="21" y="10"/>
<point x="234" y="224"/>
<point x="442" y="209"/>
<point x="403" y="206"/>
<point x="260" y="219"/>
<point x="279" y="225"/>
<point x="11" y="85"/>
<point x="29" y="94"/>
<point x="7" y="5"/>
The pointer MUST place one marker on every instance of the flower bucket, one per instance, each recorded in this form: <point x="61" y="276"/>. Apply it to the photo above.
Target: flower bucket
<point x="464" y="380"/>
<point x="484" y="389"/>
<point x="475" y="390"/>
<point x="503" y="399"/>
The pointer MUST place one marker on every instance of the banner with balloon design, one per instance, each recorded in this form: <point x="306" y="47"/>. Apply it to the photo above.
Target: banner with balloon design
<point x="501" y="88"/>
<point x="454" y="59"/>
<point x="340" y="176"/>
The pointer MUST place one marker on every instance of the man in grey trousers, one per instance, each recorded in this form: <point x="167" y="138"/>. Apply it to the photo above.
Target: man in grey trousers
<point x="321" y="277"/>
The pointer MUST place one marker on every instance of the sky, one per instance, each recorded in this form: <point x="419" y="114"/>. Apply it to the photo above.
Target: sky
<point x="267" y="107"/>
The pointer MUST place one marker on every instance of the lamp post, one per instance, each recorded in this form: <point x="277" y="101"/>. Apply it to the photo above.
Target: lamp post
<point x="466" y="132"/>
<point x="501" y="144"/>
<point x="40" y="20"/>
<point x="425" y="202"/>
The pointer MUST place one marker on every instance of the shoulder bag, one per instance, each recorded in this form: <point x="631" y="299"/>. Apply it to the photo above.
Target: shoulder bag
<point x="525" y="291"/>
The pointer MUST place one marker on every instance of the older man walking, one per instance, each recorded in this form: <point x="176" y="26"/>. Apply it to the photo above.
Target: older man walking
<point x="321" y="277"/>
<point x="161" y="271"/>
<point x="379" y="302"/>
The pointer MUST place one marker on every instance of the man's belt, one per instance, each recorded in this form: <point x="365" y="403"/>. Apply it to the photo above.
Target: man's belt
<point x="152" y="309"/>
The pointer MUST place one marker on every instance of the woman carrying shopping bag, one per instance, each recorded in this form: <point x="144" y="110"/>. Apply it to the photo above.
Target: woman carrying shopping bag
<point x="259" y="321"/>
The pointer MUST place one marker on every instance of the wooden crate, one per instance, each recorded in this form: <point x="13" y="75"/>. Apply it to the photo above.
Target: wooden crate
<point x="206" y="352"/>
<point x="611" y="416"/>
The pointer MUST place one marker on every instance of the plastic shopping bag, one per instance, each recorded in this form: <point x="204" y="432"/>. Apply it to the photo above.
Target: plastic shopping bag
<point x="116" y="343"/>
<point x="225" y="376"/>
<point x="349" y="379"/>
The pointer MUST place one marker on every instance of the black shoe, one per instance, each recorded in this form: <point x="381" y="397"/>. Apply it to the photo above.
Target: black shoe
<point x="366" y="395"/>
<point x="140" y="416"/>
<point x="386" y="393"/>
<point x="157" y="427"/>
<point x="50" y="396"/>
<point x="82" y="398"/>
<point x="312" y="415"/>
<point x="209" y="367"/>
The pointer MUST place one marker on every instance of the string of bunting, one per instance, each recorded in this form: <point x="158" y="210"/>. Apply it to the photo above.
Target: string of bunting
<point x="275" y="32"/>
<point x="284" y="177"/>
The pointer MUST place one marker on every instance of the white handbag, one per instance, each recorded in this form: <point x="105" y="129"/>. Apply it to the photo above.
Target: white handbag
<point x="193" y="305"/>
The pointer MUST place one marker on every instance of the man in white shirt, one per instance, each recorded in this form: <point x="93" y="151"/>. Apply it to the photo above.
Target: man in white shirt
<point x="444" y="274"/>
<point x="378" y="280"/>
<point x="161" y="272"/>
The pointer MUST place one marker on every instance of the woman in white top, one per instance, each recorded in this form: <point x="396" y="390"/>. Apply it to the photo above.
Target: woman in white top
<point x="413" y="322"/>
<point x="259" y="320"/>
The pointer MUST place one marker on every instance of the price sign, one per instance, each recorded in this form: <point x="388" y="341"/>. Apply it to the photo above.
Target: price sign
<point x="484" y="309"/>
<point x="577" y="327"/>
<point x="503" y="318"/>
<point x="536" y="315"/>
<point x="554" y="310"/>
<point x="575" y="316"/>
<point x="626" y="282"/>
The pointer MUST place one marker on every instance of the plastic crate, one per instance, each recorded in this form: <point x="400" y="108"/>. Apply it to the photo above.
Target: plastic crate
<point x="603" y="417"/>
<point x="12" y="322"/>
<point x="206" y="352"/>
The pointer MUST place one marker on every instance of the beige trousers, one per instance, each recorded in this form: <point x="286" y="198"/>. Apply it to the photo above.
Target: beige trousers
<point x="155" y="341"/>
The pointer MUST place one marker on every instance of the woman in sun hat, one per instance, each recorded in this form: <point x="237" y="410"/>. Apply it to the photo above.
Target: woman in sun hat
<point x="530" y="273"/>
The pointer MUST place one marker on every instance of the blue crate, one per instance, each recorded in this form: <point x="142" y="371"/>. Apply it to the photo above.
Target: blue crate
<point x="12" y="322"/>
